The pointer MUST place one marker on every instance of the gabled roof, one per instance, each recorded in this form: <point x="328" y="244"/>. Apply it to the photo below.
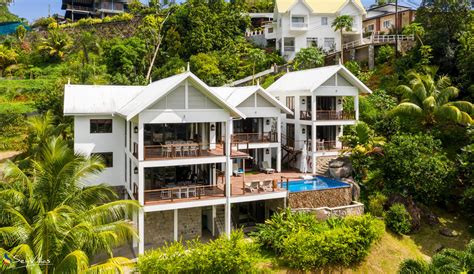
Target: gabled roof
<point x="156" y="90"/>
<point x="236" y="95"/>
<point x="128" y="101"/>
<point x="317" y="6"/>
<point x="97" y="99"/>
<point x="311" y="79"/>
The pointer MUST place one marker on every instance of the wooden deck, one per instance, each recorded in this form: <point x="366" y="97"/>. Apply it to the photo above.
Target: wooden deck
<point x="237" y="188"/>
<point x="156" y="153"/>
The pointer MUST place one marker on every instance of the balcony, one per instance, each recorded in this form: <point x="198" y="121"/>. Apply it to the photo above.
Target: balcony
<point x="78" y="8"/>
<point x="266" y="137"/>
<point x="305" y="115"/>
<point x="335" y="115"/>
<point x="183" y="193"/>
<point x="299" y="25"/>
<point x="183" y="150"/>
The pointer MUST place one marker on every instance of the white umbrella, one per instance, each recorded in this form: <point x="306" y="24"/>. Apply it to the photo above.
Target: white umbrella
<point x="304" y="161"/>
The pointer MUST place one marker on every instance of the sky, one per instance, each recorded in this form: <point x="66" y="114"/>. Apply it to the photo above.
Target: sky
<point x="34" y="9"/>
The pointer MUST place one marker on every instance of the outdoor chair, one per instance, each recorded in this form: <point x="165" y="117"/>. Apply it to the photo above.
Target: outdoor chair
<point x="254" y="186"/>
<point x="165" y="194"/>
<point x="167" y="150"/>
<point x="192" y="191"/>
<point x="265" y="167"/>
<point x="236" y="170"/>
<point x="266" y="186"/>
<point x="185" y="150"/>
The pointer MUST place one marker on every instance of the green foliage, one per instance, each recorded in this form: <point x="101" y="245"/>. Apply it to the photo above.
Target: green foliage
<point x="173" y="66"/>
<point x="308" y="58"/>
<point x="206" y="67"/>
<point x="415" y="165"/>
<point x="446" y="261"/>
<point x="397" y="219"/>
<point x="353" y="66"/>
<point x="466" y="169"/>
<point x="376" y="204"/>
<point x="20" y="32"/>
<point x="302" y="242"/>
<point x="56" y="45"/>
<point x="7" y="57"/>
<point x="6" y="15"/>
<point x="342" y="23"/>
<point x="47" y="214"/>
<point x="385" y="54"/>
<point x="429" y="100"/>
<point x="234" y="255"/>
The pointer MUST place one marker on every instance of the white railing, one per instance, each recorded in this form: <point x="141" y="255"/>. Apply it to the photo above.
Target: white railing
<point x="375" y="39"/>
<point x="299" y="25"/>
<point x="253" y="33"/>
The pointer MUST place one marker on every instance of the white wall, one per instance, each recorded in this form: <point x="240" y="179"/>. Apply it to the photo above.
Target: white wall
<point x="104" y="142"/>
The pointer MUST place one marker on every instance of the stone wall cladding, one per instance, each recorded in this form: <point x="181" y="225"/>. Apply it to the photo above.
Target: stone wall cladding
<point x="322" y="213"/>
<point x="159" y="226"/>
<point x="333" y="197"/>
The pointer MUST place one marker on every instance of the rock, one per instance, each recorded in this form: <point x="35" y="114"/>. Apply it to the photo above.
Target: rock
<point x="411" y="207"/>
<point x="448" y="232"/>
<point x="336" y="163"/>
<point x="428" y="216"/>
<point x="340" y="172"/>
<point x="438" y="247"/>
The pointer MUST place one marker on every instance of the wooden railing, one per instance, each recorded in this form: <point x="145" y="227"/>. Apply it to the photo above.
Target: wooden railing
<point x="184" y="192"/>
<point x="334" y="115"/>
<point x="180" y="150"/>
<point x="78" y="8"/>
<point x="266" y="137"/>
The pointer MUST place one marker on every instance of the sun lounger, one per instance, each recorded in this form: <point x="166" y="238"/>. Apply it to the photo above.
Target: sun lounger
<point x="265" y="167"/>
<point x="236" y="170"/>
<point x="266" y="186"/>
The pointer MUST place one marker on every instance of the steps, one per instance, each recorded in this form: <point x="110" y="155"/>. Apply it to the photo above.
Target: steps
<point x="219" y="222"/>
<point x="323" y="164"/>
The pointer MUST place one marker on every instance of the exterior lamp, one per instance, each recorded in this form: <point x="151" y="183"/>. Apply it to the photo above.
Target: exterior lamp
<point x="339" y="101"/>
<point x="135" y="170"/>
<point x="303" y="101"/>
<point x="213" y="127"/>
<point x="267" y="151"/>
<point x="267" y="122"/>
<point x="135" y="130"/>
<point x="303" y="130"/>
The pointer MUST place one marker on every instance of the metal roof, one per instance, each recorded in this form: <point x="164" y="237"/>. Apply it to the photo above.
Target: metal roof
<point x="311" y="79"/>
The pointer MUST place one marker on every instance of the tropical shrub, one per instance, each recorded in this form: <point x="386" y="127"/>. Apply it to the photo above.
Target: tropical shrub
<point x="234" y="255"/>
<point x="308" y="58"/>
<point x="411" y="266"/>
<point x="415" y="165"/>
<point x="384" y="54"/>
<point x="398" y="219"/>
<point x="302" y="242"/>
<point x="376" y="204"/>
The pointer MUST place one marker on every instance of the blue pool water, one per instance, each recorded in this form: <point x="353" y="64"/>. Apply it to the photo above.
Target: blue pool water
<point x="317" y="183"/>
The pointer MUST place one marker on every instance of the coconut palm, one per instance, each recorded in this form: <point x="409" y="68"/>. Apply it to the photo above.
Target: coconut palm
<point x="429" y="100"/>
<point x="50" y="220"/>
<point x="255" y="55"/>
<point x="342" y="23"/>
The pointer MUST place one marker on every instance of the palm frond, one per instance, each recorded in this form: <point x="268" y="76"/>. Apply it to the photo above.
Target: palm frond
<point x="110" y="212"/>
<point x="74" y="262"/>
<point x="112" y="266"/>
<point x="449" y="113"/>
<point x="91" y="195"/>
<point x="464" y="106"/>
<point x="26" y="252"/>
<point x="12" y="235"/>
<point x="429" y="104"/>
<point x="407" y="109"/>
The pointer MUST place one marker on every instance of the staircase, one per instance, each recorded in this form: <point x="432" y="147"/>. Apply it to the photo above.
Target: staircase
<point x="220" y="220"/>
<point x="322" y="167"/>
<point x="291" y="153"/>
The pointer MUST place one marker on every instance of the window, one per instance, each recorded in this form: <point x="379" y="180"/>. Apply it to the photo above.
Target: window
<point x="107" y="157"/>
<point x="329" y="43"/>
<point x="370" y="27"/>
<point x="289" y="44"/>
<point x="324" y="21"/>
<point x="312" y="42"/>
<point x="387" y="24"/>
<point x="101" y="126"/>
<point x="298" y="21"/>
<point x="290" y="103"/>
<point x="270" y="30"/>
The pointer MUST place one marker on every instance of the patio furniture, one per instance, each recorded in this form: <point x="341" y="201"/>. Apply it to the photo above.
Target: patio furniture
<point x="165" y="194"/>
<point x="236" y="170"/>
<point x="320" y="144"/>
<point x="265" y="167"/>
<point x="167" y="150"/>
<point x="192" y="191"/>
<point x="185" y="150"/>
<point x="266" y="185"/>
<point x="254" y="185"/>
<point x="178" y="193"/>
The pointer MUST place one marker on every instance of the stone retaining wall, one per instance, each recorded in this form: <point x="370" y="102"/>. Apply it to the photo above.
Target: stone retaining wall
<point x="333" y="197"/>
<point x="354" y="209"/>
<point x="159" y="226"/>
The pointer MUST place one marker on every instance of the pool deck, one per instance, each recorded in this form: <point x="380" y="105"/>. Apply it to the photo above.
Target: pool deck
<point x="292" y="174"/>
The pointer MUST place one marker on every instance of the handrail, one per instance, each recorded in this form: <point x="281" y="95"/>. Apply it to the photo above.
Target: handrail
<point x="172" y="150"/>
<point x="200" y="192"/>
<point x="335" y="115"/>
<point x="263" y="137"/>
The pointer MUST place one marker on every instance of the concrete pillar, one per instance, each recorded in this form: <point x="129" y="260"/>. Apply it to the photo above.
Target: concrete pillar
<point x="141" y="232"/>
<point x="297" y="107"/>
<point x="352" y="54"/>
<point x="371" y="54"/>
<point x="356" y="106"/>
<point x="278" y="157"/>
<point x="141" y="184"/>
<point x="228" y="149"/>
<point x="213" y="228"/>
<point x="141" y="140"/>
<point x="313" y="133"/>
<point x="212" y="135"/>
<point x="175" y="225"/>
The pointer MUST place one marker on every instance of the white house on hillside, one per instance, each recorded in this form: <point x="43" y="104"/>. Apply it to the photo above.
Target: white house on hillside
<point x="300" y="24"/>
<point x="317" y="98"/>
<point x="173" y="144"/>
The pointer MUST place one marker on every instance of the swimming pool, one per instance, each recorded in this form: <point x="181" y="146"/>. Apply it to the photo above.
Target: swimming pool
<point x="317" y="183"/>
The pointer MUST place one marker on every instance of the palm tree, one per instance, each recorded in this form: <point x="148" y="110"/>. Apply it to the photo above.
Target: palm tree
<point x="48" y="216"/>
<point x="342" y="23"/>
<point x="255" y="56"/>
<point x="7" y="58"/>
<point x="56" y="44"/>
<point x="428" y="99"/>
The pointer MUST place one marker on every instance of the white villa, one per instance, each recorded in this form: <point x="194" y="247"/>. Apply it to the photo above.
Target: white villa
<point x="317" y="98"/>
<point x="171" y="145"/>
<point x="181" y="148"/>
<point x="300" y="24"/>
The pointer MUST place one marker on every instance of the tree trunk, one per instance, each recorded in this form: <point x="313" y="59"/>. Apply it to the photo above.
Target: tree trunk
<point x="342" y="50"/>
<point x="157" y="49"/>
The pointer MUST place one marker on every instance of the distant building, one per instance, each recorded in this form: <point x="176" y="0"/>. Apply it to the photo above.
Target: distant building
<point x="381" y="19"/>
<point x="300" y="24"/>
<point x="78" y="9"/>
